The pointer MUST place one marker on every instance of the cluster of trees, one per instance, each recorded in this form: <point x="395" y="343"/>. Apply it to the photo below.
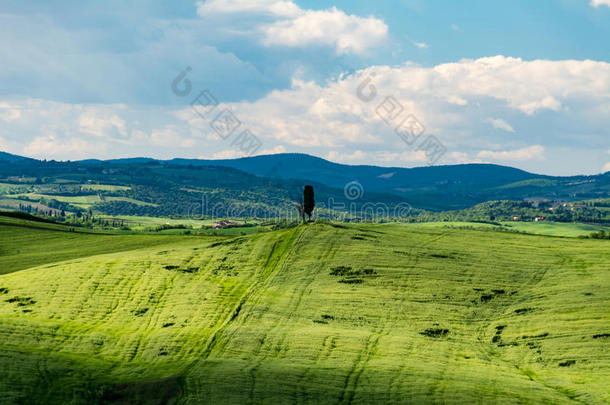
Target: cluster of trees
<point x="600" y="235"/>
<point x="35" y="210"/>
<point x="526" y="211"/>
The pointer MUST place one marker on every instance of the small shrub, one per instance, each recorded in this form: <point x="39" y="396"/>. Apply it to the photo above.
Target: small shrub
<point x="168" y="324"/>
<point x="567" y="363"/>
<point x="351" y="281"/>
<point x="542" y="335"/>
<point x="435" y="332"/>
<point x="22" y="301"/>
<point x="3" y="290"/>
<point x="140" y="312"/>
<point x="602" y="335"/>
<point x="508" y="344"/>
<point x="190" y="270"/>
<point x="340" y="271"/>
<point x="486" y="298"/>
<point x="522" y="310"/>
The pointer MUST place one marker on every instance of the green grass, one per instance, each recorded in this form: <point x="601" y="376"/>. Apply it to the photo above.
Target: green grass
<point x="7" y="188"/>
<point x="437" y="316"/>
<point x="27" y="244"/>
<point x="556" y="228"/>
<point x="569" y="230"/>
<point x="104" y="187"/>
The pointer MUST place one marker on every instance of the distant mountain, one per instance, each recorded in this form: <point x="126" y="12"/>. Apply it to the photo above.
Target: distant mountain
<point x="7" y="157"/>
<point x="277" y="177"/>
<point x="435" y="187"/>
<point x="300" y="166"/>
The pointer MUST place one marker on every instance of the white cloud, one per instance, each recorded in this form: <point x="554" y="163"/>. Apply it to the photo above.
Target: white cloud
<point x="499" y="123"/>
<point x="437" y="95"/>
<point x="597" y="3"/>
<point x="529" y="153"/>
<point x="293" y="26"/>
<point x="454" y="27"/>
<point x="278" y="8"/>
<point x="462" y="158"/>
<point x="421" y="45"/>
<point x="9" y="112"/>
<point x="451" y="100"/>
<point x="98" y="122"/>
<point x="273" y="151"/>
<point x="53" y="145"/>
<point x="227" y="154"/>
<point x="547" y="103"/>
<point x="170" y="137"/>
<point x="346" y="33"/>
<point x="606" y="168"/>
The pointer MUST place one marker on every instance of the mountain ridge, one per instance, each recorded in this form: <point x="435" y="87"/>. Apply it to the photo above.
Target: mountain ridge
<point x="439" y="188"/>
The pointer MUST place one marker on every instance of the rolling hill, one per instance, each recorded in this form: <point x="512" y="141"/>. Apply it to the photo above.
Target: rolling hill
<point x="323" y="313"/>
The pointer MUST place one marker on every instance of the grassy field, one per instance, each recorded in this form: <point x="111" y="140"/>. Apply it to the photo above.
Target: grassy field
<point x="322" y="313"/>
<point x="568" y="230"/>
<point x="84" y="201"/>
<point x="556" y="228"/>
<point x="26" y="244"/>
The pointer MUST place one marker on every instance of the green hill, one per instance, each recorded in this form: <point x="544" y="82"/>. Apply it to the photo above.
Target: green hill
<point x="323" y="313"/>
<point x="257" y="186"/>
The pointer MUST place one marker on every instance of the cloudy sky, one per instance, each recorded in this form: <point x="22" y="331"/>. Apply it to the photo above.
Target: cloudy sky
<point x="515" y="82"/>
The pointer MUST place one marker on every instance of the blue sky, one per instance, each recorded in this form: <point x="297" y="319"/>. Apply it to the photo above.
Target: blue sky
<point x="519" y="83"/>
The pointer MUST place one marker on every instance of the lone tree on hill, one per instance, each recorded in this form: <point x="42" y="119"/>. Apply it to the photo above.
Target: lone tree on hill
<point x="308" y="202"/>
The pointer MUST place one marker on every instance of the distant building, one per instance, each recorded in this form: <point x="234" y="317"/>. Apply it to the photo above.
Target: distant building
<point x="538" y="219"/>
<point x="517" y="218"/>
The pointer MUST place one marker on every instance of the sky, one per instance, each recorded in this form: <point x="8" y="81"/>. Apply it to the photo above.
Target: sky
<point x="402" y="83"/>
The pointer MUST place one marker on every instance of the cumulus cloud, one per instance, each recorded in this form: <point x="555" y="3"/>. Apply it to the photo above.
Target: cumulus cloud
<point x="437" y="96"/>
<point x="297" y="27"/>
<point x="499" y="123"/>
<point x="335" y="120"/>
<point x="529" y="153"/>
<point x="606" y="168"/>
<point x="597" y="3"/>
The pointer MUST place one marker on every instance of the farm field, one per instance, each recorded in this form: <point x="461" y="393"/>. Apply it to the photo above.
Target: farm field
<point x="80" y="201"/>
<point x="319" y="313"/>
